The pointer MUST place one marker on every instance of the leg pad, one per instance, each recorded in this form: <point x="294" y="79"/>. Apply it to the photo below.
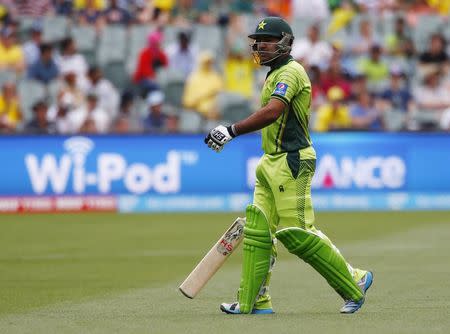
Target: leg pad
<point x="256" y="263"/>
<point x="325" y="259"/>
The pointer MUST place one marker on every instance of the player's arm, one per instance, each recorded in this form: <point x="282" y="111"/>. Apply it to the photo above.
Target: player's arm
<point x="261" y="118"/>
<point x="265" y="116"/>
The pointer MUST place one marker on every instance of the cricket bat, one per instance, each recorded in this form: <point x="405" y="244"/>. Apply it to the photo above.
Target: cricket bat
<point x="214" y="259"/>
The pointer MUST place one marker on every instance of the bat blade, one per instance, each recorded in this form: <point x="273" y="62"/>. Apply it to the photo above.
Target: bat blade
<point x="214" y="259"/>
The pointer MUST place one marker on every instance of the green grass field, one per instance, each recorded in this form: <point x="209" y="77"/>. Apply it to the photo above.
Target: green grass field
<point x="108" y="273"/>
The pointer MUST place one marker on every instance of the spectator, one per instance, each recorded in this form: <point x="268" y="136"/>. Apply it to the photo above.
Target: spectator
<point x="182" y="56"/>
<point x="11" y="54"/>
<point x="126" y="118"/>
<point x="30" y="8"/>
<point x="445" y="120"/>
<point x="334" y="115"/>
<point x="108" y="97"/>
<point x="335" y="76"/>
<point x="141" y="12"/>
<point x="91" y="15"/>
<point x="366" y="39"/>
<point x="172" y="121"/>
<point x="155" y="122"/>
<point x="376" y="6"/>
<point x="45" y="69"/>
<point x="83" y="4"/>
<point x="89" y="118"/>
<point x="318" y="93"/>
<point x="10" y="113"/>
<point x="397" y="96"/>
<point x="40" y="123"/>
<point x="58" y="114"/>
<point x="316" y="10"/>
<point x="162" y="10"/>
<point x="279" y="8"/>
<point x="73" y="62"/>
<point x="236" y="39"/>
<point x="63" y="7"/>
<point x="436" y="53"/>
<point x="116" y="15"/>
<point x="239" y="74"/>
<point x="432" y="94"/>
<point x="374" y="68"/>
<point x="71" y="92"/>
<point x="121" y="125"/>
<point x="150" y="60"/>
<point x="397" y="42"/>
<point x="31" y="48"/>
<point x="311" y="50"/>
<point x="239" y="67"/>
<point x="202" y="88"/>
<point x="364" y="115"/>
<point x="358" y="85"/>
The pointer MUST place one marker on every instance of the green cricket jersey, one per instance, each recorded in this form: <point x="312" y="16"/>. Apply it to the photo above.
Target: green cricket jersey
<point x="289" y="83"/>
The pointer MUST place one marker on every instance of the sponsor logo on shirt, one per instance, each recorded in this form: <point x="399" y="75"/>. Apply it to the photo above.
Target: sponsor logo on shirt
<point x="280" y="89"/>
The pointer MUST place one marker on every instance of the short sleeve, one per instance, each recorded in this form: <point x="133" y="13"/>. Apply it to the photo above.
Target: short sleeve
<point x="287" y="85"/>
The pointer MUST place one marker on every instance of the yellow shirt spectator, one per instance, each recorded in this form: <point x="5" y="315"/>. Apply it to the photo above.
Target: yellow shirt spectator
<point x="166" y="5"/>
<point x="11" y="57"/>
<point x="202" y="87"/>
<point x="10" y="112"/>
<point x="82" y="4"/>
<point x="442" y="6"/>
<point x="334" y="115"/>
<point x="239" y="76"/>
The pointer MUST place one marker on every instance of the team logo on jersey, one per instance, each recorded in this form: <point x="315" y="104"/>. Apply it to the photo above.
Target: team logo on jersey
<point x="280" y="89"/>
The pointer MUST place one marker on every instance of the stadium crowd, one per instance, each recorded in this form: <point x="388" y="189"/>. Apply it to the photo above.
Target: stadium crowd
<point x="166" y="66"/>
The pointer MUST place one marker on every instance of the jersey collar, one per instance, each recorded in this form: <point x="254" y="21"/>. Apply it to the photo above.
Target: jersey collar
<point x="279" y="62"/>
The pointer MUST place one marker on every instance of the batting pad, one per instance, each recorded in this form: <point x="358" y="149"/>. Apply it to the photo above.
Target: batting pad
<point x="324" y="258"/>
<point x="256" y="263"/>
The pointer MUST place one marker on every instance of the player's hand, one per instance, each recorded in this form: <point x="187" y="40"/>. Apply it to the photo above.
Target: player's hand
<point x="218" y="137"/>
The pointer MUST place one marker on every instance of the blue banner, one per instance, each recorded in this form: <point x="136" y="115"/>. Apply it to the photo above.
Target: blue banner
<point x="154" y="173"/>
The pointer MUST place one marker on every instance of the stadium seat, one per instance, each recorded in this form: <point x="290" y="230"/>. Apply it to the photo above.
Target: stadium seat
<point x="116" y="73"/>
<point x="446" y="30"/>
<point x="85" y="38"/>
<point x="233" y="107"/>
<point x="300" y="27"/>
<point x="354" y="26"/>
<point x="112" y="45"/>
<point x="55" y="28"/>
<point x="250" y="21"/>
<point x="190" y="122"/>
<point x="6" y="76"/>
<point x="140" y="108"/>
<point x="208" y="37"/>
<point x="426" y="119"/>
<point x="52" y="90"/>
<point x="426" y="26"/>
<point x="170" y="35"/>
<point x="25" y="24"/>
<point x="394" y="120"/>
<point x="30" y="91"/>
<point x="172" y="83"/>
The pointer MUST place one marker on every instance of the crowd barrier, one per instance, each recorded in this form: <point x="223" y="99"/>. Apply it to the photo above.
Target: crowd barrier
<point x="354" y="171"/>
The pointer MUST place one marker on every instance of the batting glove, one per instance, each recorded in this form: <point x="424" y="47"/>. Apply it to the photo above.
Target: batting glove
<point x="218" y="137"/>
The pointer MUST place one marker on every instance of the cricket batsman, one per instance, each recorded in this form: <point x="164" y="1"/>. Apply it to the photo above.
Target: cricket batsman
<point x="282" y="209"/>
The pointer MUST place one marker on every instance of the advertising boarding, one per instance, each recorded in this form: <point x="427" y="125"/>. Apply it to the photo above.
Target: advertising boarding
<point x="354" y="171"/>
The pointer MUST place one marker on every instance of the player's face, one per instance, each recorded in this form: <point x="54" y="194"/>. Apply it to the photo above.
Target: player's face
<point x="266" y="47"/>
